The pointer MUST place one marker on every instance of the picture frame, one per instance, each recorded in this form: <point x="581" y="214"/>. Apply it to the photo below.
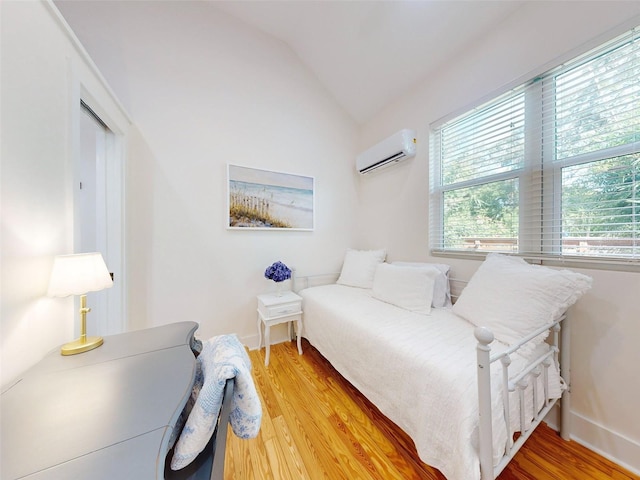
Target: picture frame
<point x="260" y="199"/>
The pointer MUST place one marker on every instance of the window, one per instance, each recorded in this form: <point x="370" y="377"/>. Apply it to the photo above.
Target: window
<point x="548" y="169"/>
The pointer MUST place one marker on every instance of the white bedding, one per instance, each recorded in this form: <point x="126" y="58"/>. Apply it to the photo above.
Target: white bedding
<point x="419" y="370"/>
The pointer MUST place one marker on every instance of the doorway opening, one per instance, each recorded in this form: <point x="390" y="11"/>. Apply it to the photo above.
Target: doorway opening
<point x="98" y="214"/>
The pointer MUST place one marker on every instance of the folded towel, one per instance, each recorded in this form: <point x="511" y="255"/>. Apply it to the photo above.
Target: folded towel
<point x="222" y="357"/>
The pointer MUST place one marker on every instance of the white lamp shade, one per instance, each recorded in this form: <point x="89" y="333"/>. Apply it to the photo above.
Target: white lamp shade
<point x="78" y="274"/>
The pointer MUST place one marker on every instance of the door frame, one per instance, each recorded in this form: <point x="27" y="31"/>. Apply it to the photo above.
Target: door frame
<point x="111" y="239"/>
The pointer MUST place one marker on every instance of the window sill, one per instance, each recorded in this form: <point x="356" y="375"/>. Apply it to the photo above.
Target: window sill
<point x="620" y="265"/>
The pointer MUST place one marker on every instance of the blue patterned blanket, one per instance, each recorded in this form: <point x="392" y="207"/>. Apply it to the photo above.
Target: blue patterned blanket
<point x="222" y="357"/>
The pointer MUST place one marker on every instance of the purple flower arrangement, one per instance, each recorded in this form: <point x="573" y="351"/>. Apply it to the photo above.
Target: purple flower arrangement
<point x="278" y="272"/>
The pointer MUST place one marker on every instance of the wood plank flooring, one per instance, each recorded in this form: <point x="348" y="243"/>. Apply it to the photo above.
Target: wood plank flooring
<point x="316" y="425"/>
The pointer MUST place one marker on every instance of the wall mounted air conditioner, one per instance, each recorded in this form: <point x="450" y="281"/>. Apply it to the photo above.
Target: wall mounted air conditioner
<point x="397" y="147"/>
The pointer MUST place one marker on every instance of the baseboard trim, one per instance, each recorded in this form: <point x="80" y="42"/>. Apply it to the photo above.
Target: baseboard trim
<point x="250" y="341"/>
<point x="611" y="445"/>
<point x="597" y="438"/>
<point x="278" y="335"/>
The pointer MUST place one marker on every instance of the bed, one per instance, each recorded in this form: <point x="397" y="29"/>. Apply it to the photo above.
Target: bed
<point x="459" y="380"/>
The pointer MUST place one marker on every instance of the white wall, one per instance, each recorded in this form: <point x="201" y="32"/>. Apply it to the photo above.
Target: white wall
<point x="41" y="79"/>
<point x="394" y="212"/>
<point x="204" y="90"/>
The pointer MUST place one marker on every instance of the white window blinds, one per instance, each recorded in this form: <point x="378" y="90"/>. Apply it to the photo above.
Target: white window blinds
<point x="549" y="168"/>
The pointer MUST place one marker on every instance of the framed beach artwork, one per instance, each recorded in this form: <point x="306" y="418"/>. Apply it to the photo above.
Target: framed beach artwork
<point x="266" y="200"/>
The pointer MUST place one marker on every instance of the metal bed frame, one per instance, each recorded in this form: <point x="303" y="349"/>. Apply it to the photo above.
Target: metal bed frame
<point x="558" y="353"/>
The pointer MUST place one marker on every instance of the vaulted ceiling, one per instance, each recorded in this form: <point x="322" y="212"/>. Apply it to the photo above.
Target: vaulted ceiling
<point x="366" y="53"/>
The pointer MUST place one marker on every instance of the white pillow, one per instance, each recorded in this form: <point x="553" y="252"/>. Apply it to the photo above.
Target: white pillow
<point x="512" y="298"/>
<point x="441" y="289"/>
<point x="359" y="267"/>
<point x="410" y="288"/>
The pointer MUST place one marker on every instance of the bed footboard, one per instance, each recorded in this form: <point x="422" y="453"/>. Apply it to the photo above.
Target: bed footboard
<point x="538" y="366"/>
<point x="565" y="372"/>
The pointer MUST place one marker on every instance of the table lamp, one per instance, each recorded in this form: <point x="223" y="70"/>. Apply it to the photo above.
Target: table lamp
<point x="78" y="274"/>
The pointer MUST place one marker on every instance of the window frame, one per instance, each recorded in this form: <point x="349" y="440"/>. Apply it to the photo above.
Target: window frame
<point x="539" y="159"/>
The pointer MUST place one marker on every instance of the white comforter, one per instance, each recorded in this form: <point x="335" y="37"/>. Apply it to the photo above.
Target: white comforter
<point x="419" y="370"/>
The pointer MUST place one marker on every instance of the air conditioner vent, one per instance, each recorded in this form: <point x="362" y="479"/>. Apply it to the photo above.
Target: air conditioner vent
<point x="397" y="147"/>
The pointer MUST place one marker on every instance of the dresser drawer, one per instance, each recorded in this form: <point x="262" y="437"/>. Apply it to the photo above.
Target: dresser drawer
<point x="269" y="311"/>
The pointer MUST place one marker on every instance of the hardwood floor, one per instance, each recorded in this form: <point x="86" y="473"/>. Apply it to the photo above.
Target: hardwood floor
<point x="316" y="425"/>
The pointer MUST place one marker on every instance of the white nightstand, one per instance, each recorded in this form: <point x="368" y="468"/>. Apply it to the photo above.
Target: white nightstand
<point x="273" y="310"/>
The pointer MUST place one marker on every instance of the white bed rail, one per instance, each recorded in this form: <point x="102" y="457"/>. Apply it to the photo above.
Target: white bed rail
<point x="301" y="282"/>
<point x="538" y="366"/>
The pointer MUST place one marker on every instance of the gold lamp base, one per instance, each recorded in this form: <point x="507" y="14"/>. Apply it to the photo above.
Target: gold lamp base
<point x="81" y="345"/>
<point x="84" y="343"/>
